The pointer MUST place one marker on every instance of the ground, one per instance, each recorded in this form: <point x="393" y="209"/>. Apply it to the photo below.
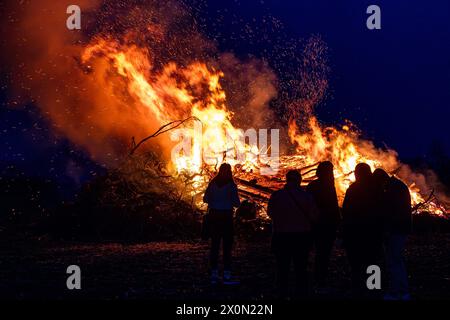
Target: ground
<point x="178" y="270"/>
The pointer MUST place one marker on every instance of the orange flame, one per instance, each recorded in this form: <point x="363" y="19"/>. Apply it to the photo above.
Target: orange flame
<point x="120" y="91"/>
<point x="177" y="92"/>
<point x="174" y="93"/>
<point x="345" y="149"/>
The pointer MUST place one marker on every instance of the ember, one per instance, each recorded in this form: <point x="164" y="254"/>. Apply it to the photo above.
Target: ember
<point x="196" y="91"/>
<point x="129" y="85"/>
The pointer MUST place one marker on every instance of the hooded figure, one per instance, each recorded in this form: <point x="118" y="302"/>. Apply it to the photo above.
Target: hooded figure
<point x="362" y="227"/>
<point x="394" y="201"/>
<point x="324" y="232"/>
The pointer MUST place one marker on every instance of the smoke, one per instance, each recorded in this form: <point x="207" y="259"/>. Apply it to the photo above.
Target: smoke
<point x="310" y="85"/>
<point x="428" y="183"/>
<point x="46" y="73"/>
<point x="80" y="79"/>
<point x="250" y="87"/>
<point x="89" y="101"/>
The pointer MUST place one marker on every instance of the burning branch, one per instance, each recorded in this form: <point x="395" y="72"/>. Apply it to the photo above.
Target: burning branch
<point x="254" y="185"/>
<point x="421" y="204"/>
<point x="167" y="127"/>
<point x="311" y="166"/>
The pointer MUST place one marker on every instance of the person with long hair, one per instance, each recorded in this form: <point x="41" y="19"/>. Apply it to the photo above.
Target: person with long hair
<point x="222" y="197"/>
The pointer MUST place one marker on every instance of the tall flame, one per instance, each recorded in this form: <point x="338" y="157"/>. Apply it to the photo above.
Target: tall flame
<point x="124" y="86"/>
<point x="345" y="149"/>
<point x="173" y="93"/>
<point x="195" y="90"/>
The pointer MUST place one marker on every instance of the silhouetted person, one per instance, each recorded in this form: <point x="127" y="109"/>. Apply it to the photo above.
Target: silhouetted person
<point x="362" y="227"/>
<point x="324" y="231"/>
<point x="221" y="196"/>
<point x="293" y="212"/>
<point x="380" y="182"/>
<point x="396" y="203"/>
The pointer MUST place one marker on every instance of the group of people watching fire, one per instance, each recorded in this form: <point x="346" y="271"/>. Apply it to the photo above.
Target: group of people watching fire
<point x="373" y="224"/>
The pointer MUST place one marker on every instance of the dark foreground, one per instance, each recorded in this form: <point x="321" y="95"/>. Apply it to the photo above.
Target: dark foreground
<point x="162" y="270"/>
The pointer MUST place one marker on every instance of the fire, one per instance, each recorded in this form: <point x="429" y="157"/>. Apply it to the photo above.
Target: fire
<point x="175" y="93"/>
<point x="338" y="146"/>
<point x="104" y="86"/>
<point x="195" y="90"/>
<point x="345" y="149"/>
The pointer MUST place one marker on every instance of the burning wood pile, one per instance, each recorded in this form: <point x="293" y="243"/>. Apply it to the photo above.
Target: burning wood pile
<point x="149" y="65"/>
<point x="195" y="92"/>
<point x="257" y="188"/>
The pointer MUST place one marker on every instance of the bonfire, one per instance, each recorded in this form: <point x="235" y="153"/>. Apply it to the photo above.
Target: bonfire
<point x="195" y="92"/>
<point x="153" y="78"/>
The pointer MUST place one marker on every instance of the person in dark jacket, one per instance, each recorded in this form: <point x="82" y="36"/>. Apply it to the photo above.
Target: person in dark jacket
<point x="362" y="227"/>
<point x="221" y="196"/>
<point x="396" y="204"/>
<point x="324" y="231"/>
<point x="293" y="214"/>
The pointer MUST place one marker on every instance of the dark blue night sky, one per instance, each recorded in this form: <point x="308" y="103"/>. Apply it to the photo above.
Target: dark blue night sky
<point x="393" y="83"/>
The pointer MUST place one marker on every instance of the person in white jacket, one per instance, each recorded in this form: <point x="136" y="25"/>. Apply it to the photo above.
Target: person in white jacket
<point x="221" y="196"/>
